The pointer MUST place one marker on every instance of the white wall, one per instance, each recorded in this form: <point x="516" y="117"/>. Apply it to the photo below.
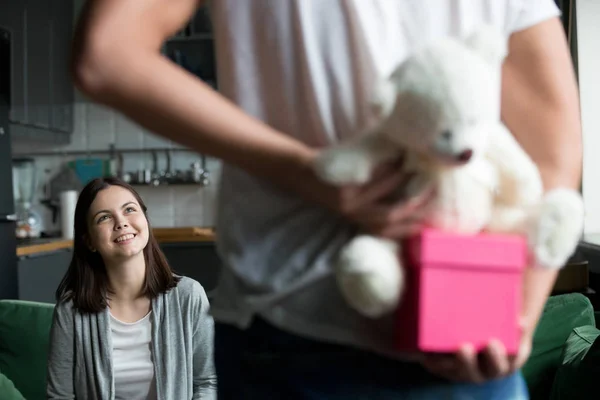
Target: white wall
<point x="95" y="128"/>
<point x="588" y="32"/>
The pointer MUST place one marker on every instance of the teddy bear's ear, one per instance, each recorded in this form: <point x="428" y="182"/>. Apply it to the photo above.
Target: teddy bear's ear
<point x="490" y="43"/>
<point x="383" y="98"/>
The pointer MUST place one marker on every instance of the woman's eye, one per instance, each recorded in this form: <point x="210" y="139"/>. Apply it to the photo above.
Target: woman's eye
<point x="129" y="209"/>
<point x="102" y="218"/>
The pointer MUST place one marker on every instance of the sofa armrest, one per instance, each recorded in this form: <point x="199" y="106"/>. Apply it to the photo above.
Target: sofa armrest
<point x="561" y="315"/>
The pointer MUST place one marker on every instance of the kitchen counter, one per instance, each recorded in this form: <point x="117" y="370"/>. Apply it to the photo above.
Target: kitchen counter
<point x="35" y="246"/>
<point x="162" y="235"/>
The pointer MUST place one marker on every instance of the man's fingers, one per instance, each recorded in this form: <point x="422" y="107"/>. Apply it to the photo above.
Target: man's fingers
<point x="408" y="208"/>
<point x="359" y="198"/>
<point x="468" y="364"/>
<point x="519" y="359"/>
<point x="402" y="231"/>
<point x="401" y="210"/>
<point x="387" y="168"/>
<point x="494" y="361"/>
<point x="444" y="366"/>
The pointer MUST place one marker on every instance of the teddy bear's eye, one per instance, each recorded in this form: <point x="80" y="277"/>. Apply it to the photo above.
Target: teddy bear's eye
<point x="447" y="134"/>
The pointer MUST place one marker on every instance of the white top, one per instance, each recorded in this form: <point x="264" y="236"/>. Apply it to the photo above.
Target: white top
<point x="133" y="367"/>
<point x="307" y="67"/>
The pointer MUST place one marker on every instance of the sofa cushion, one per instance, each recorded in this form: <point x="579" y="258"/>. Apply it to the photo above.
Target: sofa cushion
<point x="577" y="377"/>
<point x="8" y="389"/>
<point x="560" y="316"/>
<point x="24" y="336"/>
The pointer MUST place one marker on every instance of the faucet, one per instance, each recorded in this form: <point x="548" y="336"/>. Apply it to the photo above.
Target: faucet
<point x="156" y="176"/>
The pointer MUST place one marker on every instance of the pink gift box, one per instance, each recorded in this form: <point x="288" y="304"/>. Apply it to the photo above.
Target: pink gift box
<point x="461" y="289"/>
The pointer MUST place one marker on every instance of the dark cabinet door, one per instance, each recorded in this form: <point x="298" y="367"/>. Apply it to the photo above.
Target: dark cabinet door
<point x="62" y="91"/>
<point x="41" y="106"/>
<point x="40" y="275"/>
<point x="6" y="189"/>
<point x="8" y="261"/>
<point x="8" y="241"/>
<point x="38" y="63"/>
<point x="6" y="197"/>
<point x="12" y="18"/>
<point x="198" y="261"/>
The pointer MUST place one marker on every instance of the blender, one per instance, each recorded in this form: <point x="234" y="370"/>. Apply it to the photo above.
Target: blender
<point x="24" y="180"/>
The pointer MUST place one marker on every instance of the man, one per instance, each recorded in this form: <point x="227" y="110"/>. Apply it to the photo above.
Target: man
<point x="294" y="76"/>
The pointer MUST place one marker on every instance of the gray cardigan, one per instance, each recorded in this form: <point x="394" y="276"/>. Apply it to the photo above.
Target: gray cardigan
<point x="79" y="361"/>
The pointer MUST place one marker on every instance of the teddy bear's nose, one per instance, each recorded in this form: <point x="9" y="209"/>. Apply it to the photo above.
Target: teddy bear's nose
<point x="465" y="156"/>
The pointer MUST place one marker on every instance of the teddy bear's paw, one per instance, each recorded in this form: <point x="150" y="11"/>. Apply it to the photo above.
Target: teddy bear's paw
<point x="558" y="228"/>
<point x="370" y="276"/>
<point x="344" y="166"/>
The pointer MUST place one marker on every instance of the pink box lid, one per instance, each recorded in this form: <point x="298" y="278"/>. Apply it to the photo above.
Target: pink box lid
<point x="438" y="248"/>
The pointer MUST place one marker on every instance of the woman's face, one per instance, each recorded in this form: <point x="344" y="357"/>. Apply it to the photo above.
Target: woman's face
<point x="118" y="228"/>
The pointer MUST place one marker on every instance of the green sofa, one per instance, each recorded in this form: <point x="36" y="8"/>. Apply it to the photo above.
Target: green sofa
<point x="561" y="317"/>
<point x="24" y="336"/>
<point x="24" y="329"/>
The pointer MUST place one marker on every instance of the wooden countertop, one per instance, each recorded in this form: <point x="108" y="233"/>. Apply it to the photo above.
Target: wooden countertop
<point x="163" y="235"/>
<point x="43" y="245"/>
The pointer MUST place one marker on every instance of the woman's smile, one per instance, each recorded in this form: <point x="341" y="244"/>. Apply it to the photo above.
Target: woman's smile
<point x="125" y="239"/>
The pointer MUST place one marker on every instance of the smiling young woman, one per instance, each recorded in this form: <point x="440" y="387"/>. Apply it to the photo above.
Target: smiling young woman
<point x="107" y="211"/>
<point x="125" y="326"/>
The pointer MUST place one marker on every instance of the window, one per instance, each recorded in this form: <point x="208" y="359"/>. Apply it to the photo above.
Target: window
<point x="587" y="37"/>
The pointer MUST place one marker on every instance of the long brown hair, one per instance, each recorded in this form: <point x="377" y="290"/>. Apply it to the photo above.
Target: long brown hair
<point x="86" y="281"/>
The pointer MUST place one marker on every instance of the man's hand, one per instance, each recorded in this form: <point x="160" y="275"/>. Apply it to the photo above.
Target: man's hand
<point x="369" y="205"/>
<point x="491" y="363"/>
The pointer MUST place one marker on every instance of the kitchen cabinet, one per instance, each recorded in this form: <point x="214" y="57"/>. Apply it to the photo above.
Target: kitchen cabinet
<point x="38" y="62"/>
<point x="62" y="93"/>
<point x="193" y="47"/>
<point x="12" y="18"/>
<point x="42" y="93"/>
<point x="196" y="260"/>
<point x="40" y="274"/>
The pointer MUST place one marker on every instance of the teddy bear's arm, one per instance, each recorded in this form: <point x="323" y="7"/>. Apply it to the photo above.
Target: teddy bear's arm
<point x="506" y="219"/>
<point x="353" y="162"/>
<point x="519" y="180"/>
<point x="552" y="221"/>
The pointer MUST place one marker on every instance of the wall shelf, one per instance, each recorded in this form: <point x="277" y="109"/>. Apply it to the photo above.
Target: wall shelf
<point x="193" y="38"/>
<point x="111" y="150"/>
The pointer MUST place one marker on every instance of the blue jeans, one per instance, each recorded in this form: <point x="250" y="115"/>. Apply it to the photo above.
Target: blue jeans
<point x="264" y="362"/>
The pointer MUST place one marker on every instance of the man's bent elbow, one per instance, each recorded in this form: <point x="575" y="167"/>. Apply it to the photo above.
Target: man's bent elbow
<point x="89" y="69"/>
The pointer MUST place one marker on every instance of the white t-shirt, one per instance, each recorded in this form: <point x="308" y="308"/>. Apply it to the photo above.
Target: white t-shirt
<point x="306" y="67"/>
<point x="133" y="367"/>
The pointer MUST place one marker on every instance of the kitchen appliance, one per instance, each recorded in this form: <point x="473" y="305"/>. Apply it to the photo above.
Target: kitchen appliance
<point x="8" y="240"/>
<point x="24" y="183"/>
<point x="90" y="168"/>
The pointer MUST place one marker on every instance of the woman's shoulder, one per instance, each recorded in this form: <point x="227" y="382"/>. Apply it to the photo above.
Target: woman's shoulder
<point x="68" y="308"/>
<point x="65" y="313"/>
<point x="65" y="307"/>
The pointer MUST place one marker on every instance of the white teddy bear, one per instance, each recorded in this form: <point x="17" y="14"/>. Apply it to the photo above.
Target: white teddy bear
<point x="441" y="108"/>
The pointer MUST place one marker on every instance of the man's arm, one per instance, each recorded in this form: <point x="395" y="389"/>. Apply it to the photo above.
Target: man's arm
<point x="117" y="62"/>
<point x="540" y="105"/>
